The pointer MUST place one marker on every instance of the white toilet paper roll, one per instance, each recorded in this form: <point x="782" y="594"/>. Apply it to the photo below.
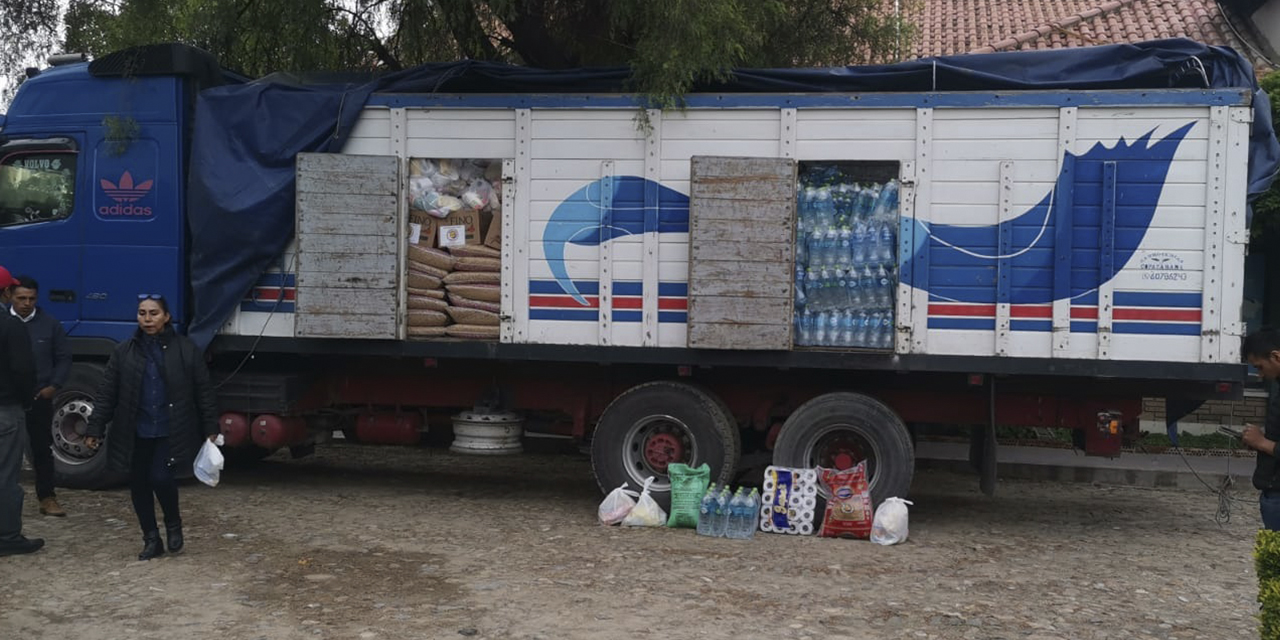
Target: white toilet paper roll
<point x="768" y="485"/>
<point x="809" y="476"/>
<point x="766" y="526"/>
<point x="809" y="490"/>
<point x="805" y="528"/>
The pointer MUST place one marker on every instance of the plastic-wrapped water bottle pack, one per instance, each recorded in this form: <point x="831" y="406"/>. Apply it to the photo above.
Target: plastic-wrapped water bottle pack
<point x="846" y="261"/>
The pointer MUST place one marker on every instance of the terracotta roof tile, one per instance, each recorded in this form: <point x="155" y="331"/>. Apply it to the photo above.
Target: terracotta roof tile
<point x="948" y="27"/>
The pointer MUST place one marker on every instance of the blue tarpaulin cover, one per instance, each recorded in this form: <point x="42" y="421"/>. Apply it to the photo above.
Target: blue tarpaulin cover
<point x="246" y="136"/>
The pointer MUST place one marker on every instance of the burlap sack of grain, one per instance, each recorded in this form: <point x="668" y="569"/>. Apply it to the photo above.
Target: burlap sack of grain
<point x="473" y="277"/>
<point x="434" y="272"/>
<point x="438" y="294"/>
<point x="426" y="302"/>
<point x="434" y="257"/>
<point x="493" y="265"/>
<point x="427" y="318"/>
<point x="483" y="292"/>
<point x="475" y="251"/>
<point x="474" y="332"/>
<point x="427" y="332"/>
<point x="467" y="303"/>
<point x="462" y="315"/>
<point x="423" y="281"/>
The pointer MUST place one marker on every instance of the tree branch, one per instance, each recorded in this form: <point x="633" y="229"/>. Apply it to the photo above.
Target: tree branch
<point x="379" y="48"/>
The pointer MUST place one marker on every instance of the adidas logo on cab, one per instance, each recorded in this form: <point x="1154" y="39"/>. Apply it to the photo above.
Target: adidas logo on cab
<point x="125" y="193"/>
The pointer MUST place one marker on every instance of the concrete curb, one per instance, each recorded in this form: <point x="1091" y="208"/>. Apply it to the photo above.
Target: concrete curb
<point x="1162" y="471"/>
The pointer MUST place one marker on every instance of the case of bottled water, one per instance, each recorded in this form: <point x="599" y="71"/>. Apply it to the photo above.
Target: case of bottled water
<point x="846" y="259"/>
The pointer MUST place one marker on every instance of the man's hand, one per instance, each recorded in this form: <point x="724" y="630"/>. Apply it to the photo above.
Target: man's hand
<point x="1254" y="439"/>
<point x="46" y="393"/>
<point x="91" y="442"/>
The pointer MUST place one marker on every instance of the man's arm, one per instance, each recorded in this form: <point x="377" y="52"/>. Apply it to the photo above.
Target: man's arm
<point x="61" y="356"/>
<point x="1256" y="440"/>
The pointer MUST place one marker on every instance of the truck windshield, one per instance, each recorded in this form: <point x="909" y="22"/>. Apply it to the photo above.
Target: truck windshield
<point x="37" y="181"/>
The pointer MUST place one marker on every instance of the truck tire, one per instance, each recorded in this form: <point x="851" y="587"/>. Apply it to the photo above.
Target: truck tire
<point x="75" y="465"/>
<point x="657" y="423"/>
<point x="837" y="430"/>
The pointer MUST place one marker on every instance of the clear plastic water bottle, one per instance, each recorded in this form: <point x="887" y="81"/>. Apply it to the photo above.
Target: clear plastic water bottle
<point x="802" y="248"/>
<point x="852" y="291"/>
<point x="886" y="330"/>
<point x="867" y="283"/>
<point x="831" y="247"/>
<point x="721" y="521"/>
<point x="734" y="527"/>
<point x="844" y="255"/>
<point x="861" y="329"/>
<point x="886" y="242"/>
<point x="873" y="329"/>
<point x="884" y="291"/>
<point x="824" y="209"/>
<point x="859" y="252"/>
<point x="819" y="292"/>
<point x="707" y="512"/>
<point x="811" y="288"/>
<point x="819" y="335"/>
<point x="833" y="329"/>
<point x="887" y="202"/>
<point x="806" y="327"/>
<point x="815" y="248"/>
<point x="802" y="297"/>
<point x="840" y="292"/>
<point x="753" y="514"/>
<point x="846" y="328"/>
<point x="804" y="207"/>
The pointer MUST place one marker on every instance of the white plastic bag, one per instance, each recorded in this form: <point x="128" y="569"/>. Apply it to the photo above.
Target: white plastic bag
<point x="890" y="523"/>
<point x="209" y="461"/>
<point x="616" y="505"/>
<point x="646" y="513"/>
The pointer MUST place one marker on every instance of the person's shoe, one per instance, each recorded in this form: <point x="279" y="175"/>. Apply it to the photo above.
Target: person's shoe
<point x="50" y="507"/>
<point x="21" y="546"/>
<point x="151" y="546"/>
<point x="175" y="536"/>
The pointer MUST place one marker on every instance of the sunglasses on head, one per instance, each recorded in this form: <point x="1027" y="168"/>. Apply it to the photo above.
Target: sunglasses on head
<point x="150" y="296"/>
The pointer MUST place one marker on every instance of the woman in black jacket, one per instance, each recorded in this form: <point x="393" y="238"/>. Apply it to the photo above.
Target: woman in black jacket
<point x="157" y="397"/>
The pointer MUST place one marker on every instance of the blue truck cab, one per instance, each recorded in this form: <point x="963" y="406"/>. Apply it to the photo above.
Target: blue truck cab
<point x="92" y="186"/>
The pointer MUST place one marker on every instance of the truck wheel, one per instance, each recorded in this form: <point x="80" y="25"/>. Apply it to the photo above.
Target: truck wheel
<point x="75" y="465"/>
<point x="658" y="423"/>
<point x="839" y="430"/>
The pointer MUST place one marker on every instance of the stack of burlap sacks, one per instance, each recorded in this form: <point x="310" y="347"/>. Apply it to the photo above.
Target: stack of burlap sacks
<point x="454" y="293"/>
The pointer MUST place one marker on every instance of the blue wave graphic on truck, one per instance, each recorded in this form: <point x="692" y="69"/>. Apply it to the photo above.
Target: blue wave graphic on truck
<point x="963" y="259"/>
<point x="605" y="209"/>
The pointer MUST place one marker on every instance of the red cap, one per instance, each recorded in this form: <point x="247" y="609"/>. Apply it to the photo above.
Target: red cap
<point x="6" y="279"/>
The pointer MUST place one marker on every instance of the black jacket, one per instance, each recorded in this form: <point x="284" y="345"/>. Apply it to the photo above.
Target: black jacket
<point x="17" y="364"/>
<point x="1266" y="476"/>
<point x="192" y="401"/>
<point x="53" y="354"/>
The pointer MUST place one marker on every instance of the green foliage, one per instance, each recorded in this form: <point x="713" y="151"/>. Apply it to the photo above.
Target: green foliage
<point x="121" y="132"/>
<point x="1188" y="440"/>
<point x="1266" y="555"/>
<point x="669" y="44"/>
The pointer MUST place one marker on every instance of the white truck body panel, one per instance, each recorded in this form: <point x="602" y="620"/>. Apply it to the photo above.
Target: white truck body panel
<point x="1175" y="294"/>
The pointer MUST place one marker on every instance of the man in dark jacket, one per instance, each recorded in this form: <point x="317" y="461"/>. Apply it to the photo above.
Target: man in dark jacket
<point x="17" y="379"/>
<point x="1262" y="350"/>
<point x="53" y="365"/>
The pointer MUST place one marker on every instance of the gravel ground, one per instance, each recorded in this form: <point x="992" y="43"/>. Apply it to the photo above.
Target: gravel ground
<point x="382" y="543"/>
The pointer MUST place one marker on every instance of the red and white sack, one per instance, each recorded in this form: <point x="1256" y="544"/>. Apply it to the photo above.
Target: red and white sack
<point x="848" y="512"/>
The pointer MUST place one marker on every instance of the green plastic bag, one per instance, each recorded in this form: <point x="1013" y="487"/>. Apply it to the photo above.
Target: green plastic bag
<point x="687" y="486"/>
